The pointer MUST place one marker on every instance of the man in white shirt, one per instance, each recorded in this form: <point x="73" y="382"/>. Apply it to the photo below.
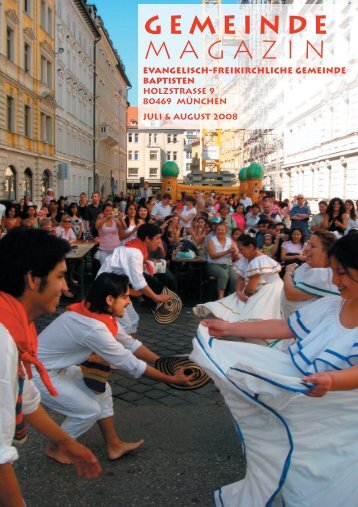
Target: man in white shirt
<point x="162" y="209"/>
<point x="30" y="286"/>
<point x="130" y="262"/>
<point x="71" y="340"/>
<point x="245" y="201"/>
<point x="146" y="191"/>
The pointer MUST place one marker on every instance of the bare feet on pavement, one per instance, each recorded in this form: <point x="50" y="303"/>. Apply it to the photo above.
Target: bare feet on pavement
<point x="53" y="452"/>
<point x="121" y="448"/>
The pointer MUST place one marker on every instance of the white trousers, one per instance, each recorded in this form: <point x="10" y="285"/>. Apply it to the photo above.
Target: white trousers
<point x="81" y="407"/>
<point x="130" y="320"/>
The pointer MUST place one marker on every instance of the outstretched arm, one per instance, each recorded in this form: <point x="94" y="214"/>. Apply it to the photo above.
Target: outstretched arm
<point x="275" y="329"/>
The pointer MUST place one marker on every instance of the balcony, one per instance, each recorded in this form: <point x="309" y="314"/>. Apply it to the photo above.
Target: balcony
<point x="108" y="135"/>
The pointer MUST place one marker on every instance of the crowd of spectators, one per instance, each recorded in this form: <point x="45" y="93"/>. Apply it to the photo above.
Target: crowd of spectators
<point x="213" y="223"/>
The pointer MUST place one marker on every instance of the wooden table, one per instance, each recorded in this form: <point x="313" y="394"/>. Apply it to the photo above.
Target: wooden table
<point x="197" y="261"/>
<point x="78" y="253"/>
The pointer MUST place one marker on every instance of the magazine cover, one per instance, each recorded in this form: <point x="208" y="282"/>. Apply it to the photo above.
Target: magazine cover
<point x="178" y="253"/>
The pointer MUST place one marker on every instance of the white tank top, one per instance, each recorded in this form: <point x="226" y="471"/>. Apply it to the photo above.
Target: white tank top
<point x="218" y="248"/>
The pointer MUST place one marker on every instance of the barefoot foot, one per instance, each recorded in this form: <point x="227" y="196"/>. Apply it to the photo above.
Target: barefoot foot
<point x="117" y="451"/>
<point x="52" y="452"/>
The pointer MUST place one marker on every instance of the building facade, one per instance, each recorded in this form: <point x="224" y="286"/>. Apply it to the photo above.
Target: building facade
<point x="77" y="35"/>
<point x="27" y="98"/>
<point x="148" y="149"/>
<point x="111" y="86"/>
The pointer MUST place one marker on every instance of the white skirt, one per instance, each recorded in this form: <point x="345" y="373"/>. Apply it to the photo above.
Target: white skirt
<point x="264" y="304"/>
<point x="300" y="451"/>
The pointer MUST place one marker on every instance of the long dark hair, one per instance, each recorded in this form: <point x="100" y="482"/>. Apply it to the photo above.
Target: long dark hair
<point x="302" y="240"/>
<point x="352" y="213"/>
<point x="106" y="284"/>
<point x="345" y="251"/>
<point x="330" y="210"/>
<point x="136" y="219"/>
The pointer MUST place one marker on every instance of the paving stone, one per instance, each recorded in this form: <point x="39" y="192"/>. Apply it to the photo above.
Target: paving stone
<point x="118" y="389"/>
<point x="131" y="396"/>
<point x="128" y="382"/>
<point x="140" y="388"/>
<point x="154" y="395"/>
<point x="171" y="401"/>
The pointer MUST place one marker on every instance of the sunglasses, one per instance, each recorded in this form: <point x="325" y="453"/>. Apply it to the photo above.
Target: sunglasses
<point x="66" y="221"/>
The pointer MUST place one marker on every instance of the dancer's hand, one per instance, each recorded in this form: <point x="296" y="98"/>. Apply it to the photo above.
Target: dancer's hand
<point x="84" y="461"/>
<point x="242" y="297"/>
<point x="181" y="379"/>
<point x="162" y="298"/>
<point x="323" y="383"/>
<point x="216" y="327"/>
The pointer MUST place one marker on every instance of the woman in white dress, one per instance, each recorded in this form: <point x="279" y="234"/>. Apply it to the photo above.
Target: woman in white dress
<point x="313" y="279"/>
<point x="258" y="289"/>
<point x="300" y="450"/>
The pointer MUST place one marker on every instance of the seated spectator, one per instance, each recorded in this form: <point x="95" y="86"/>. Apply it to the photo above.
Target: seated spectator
<point x="317" y="220"/>
<point x="53" y="212"/>
<point x="107" y="225"/>
<point x="32" y="217"/>
<point x="187" y="214"/>
<point x="336" y="218"/>
<point x="268" y="247"/>
<point x="262" y="226"/>
<point x="239" y="217"/>
<point x="10" y="220"/>
<point x="76" y="220"/>
<point x="353" y="218"/>
<point x="64" y="230"/>
<point x="236" y="234"/>
<point x="209" y="206"/>
<point x="171" y="235"/>
<point x="47" y="225"/>
<point x="252" y="217"/>
<point x="224" y="214"/>
<point x="143" y="213"/>
<point x="162" y="209"/>
<point x="292" y="250"/>
<point x="268" y="214"/>
<point x="129" y="226"/>
<point x="198" y="231"/>
<point x="221" y="252"/>
<point x="21" y="211"/>
<point x="246" y="201"/>
<point x="50" y="195"/>
<point x="151" y="201"/>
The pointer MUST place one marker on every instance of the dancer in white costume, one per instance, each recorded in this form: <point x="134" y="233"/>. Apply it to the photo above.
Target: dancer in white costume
<point x="85" y="397"/>
<point x="258" y="290"/>
<point x="300" y="451"/>
<point x="313" y="279"/>
<point x="130" y="262"/>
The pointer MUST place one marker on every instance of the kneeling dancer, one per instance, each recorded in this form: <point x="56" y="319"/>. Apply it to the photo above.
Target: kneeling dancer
<point x="84" y="396"/>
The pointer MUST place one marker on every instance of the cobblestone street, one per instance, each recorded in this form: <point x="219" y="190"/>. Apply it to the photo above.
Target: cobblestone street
<point x="191" y="447"/>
